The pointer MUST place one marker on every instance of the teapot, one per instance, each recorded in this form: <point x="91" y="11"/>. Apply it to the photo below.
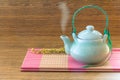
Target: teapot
<point x="89" y="46"/>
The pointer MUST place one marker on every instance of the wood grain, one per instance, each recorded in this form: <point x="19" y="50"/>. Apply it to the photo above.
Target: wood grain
<point x="36" y="23"/>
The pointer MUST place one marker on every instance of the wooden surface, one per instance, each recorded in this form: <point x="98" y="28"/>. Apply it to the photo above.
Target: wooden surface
<point x="36" y="23"/>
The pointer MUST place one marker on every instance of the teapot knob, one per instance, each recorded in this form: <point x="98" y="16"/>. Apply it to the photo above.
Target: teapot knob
<point x="90" y="28"/>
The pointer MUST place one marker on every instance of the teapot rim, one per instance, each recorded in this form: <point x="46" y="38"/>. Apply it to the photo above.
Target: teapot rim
<point x="90" y="39"/>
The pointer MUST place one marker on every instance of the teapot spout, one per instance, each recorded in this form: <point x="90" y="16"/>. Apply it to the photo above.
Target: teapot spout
<point x="67" y="43"/>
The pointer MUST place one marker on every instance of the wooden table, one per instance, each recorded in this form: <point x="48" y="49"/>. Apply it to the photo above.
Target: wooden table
<point x="36" y="23"/>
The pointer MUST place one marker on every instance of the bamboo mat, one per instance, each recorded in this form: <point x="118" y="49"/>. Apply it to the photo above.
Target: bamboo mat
<point x="63" y="62"/>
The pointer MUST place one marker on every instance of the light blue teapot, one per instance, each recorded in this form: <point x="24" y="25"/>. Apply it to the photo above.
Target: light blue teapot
<point x="89" y="46"/>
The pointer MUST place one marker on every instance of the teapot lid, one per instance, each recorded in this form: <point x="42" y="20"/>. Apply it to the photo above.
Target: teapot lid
<point x="90" y="33"/>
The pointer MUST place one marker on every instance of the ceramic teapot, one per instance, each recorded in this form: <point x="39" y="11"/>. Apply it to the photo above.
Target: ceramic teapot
<point x="89" y="46"/>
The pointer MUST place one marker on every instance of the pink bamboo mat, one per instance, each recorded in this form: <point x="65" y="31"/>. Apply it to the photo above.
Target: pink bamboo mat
<point x="63" y="62"/>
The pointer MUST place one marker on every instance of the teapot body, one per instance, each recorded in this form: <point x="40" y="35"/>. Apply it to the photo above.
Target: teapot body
<point x="89" y="51"/>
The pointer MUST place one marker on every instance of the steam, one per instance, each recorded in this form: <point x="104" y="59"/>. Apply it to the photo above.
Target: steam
<point x="65" y="15"/>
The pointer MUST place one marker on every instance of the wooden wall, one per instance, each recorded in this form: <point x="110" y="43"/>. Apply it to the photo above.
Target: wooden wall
<point x="36" y="23"/>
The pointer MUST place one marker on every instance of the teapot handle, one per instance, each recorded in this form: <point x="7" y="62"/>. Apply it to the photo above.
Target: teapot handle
<point x="106" y="29"/>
